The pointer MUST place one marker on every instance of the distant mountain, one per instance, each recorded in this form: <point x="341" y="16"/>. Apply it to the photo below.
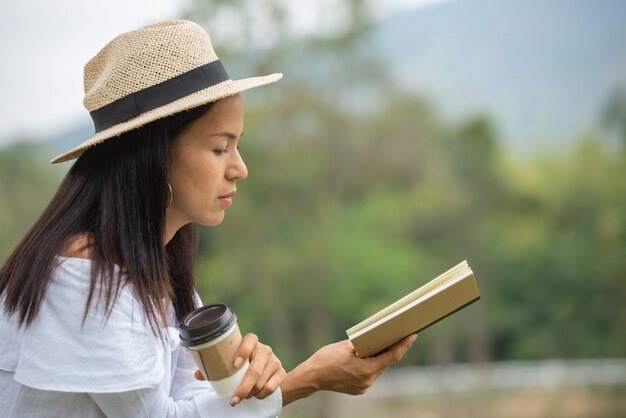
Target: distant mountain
<point x="542" y="69"/>
<point x="68" y="139"/>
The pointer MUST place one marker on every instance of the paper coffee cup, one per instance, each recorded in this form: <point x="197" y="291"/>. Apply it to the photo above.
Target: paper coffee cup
<point x="212" y="336"/>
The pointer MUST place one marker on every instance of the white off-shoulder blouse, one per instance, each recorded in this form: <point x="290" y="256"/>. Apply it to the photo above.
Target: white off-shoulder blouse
<point x="62" y="367"/>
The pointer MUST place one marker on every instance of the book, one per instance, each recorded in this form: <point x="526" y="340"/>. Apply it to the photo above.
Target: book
<point x="432" y="302"/>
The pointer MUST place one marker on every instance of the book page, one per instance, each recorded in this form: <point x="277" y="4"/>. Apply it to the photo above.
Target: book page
<point x="436" y="282"/>
<point x="411" y="305"/>
<point x="441" y="302"/>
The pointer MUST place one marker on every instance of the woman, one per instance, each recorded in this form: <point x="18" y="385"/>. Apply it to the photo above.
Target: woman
<point x="94" y="290"/>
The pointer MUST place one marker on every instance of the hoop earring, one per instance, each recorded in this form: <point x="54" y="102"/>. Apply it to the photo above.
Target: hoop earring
<point x="170" y="200"/>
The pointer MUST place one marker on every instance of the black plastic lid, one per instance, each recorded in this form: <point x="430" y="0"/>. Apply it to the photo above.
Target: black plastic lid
<point x="205" y="324"/>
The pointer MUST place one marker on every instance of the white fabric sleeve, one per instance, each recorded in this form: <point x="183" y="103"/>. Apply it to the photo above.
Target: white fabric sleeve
<point x="141" y="403"/>
<point x="154" y="403"/>
<point x="60" y="353"/>
<point x="188" y="397"/>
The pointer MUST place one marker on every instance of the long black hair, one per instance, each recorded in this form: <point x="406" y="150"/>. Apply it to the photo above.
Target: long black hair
<point x="116" y="193"/>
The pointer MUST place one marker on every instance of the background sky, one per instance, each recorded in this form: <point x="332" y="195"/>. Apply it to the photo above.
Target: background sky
<point x="46" y="44"/>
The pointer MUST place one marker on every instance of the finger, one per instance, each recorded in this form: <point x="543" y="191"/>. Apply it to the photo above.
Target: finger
<point x="272" y="384"/>
<point x="263" y="356"/>
<point x="395" y="352"/>
<point x="198" y="375"/>
<point x="252" y="375"/>
<point x="245" y="350"/>
<point x="272" y="367"/>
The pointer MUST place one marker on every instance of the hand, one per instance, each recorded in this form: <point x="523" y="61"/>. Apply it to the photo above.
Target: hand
<point x="340" y="370"/>
<point x="336" y="367"/>
<point x="265" y="372"/>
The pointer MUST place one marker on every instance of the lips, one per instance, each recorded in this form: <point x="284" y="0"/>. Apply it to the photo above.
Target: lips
<point x="227" y="199"/>
<point x="228" y="195"/>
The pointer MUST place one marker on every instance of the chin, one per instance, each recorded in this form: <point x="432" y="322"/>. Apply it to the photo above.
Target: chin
<point x="212" y="221"/>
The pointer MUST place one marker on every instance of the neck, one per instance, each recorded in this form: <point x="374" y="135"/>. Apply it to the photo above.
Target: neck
<point x="172" y="225"/>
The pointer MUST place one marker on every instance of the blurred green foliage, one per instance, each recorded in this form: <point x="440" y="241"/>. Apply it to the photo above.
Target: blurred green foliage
<point x="326" y="231"/>
<point x="27" y="183"/>
<point x="358" y="194"/>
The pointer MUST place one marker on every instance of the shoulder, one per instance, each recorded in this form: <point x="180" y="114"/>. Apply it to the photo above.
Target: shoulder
<point x="94" y="350"/>
<point x="78" y="246"/>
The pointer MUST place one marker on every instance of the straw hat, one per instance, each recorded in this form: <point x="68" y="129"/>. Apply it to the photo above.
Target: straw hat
<point x="150" y="73"/>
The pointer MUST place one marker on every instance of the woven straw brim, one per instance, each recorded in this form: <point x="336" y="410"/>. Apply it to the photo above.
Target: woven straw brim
<point x="211" y="94"/>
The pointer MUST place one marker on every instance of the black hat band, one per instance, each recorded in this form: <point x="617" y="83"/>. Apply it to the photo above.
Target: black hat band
<point x="158" y="95"/>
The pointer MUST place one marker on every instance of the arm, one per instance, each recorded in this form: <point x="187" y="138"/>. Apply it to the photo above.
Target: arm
<point x="190" y="397"/>
<point x="336" y="367"/>
<point x="154" y="402"/>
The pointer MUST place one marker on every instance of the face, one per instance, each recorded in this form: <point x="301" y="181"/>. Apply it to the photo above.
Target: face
<point x="204" y="166"/>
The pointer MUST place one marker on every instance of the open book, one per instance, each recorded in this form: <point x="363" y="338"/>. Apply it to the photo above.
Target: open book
<point x="442" y="296"/>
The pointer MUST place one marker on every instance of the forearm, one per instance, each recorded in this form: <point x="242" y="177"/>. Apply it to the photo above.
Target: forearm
<point x="299" y="383"/>
<point x="154" y="402"/>
<point x="337" y="368"/>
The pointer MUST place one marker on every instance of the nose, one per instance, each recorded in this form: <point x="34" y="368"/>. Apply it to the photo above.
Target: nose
<point x="237" y="169"/>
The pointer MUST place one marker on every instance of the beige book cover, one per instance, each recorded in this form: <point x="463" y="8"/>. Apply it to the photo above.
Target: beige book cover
<point x="437" y="299"/>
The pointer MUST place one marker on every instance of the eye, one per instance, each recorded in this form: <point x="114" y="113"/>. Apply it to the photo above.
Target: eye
<point x="221" y="151"/>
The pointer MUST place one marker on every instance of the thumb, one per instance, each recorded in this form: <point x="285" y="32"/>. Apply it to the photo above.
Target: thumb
<point x="396" y="351"/>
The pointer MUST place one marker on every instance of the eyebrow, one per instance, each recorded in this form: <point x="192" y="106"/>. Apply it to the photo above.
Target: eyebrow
<point x="227" y="135"/>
